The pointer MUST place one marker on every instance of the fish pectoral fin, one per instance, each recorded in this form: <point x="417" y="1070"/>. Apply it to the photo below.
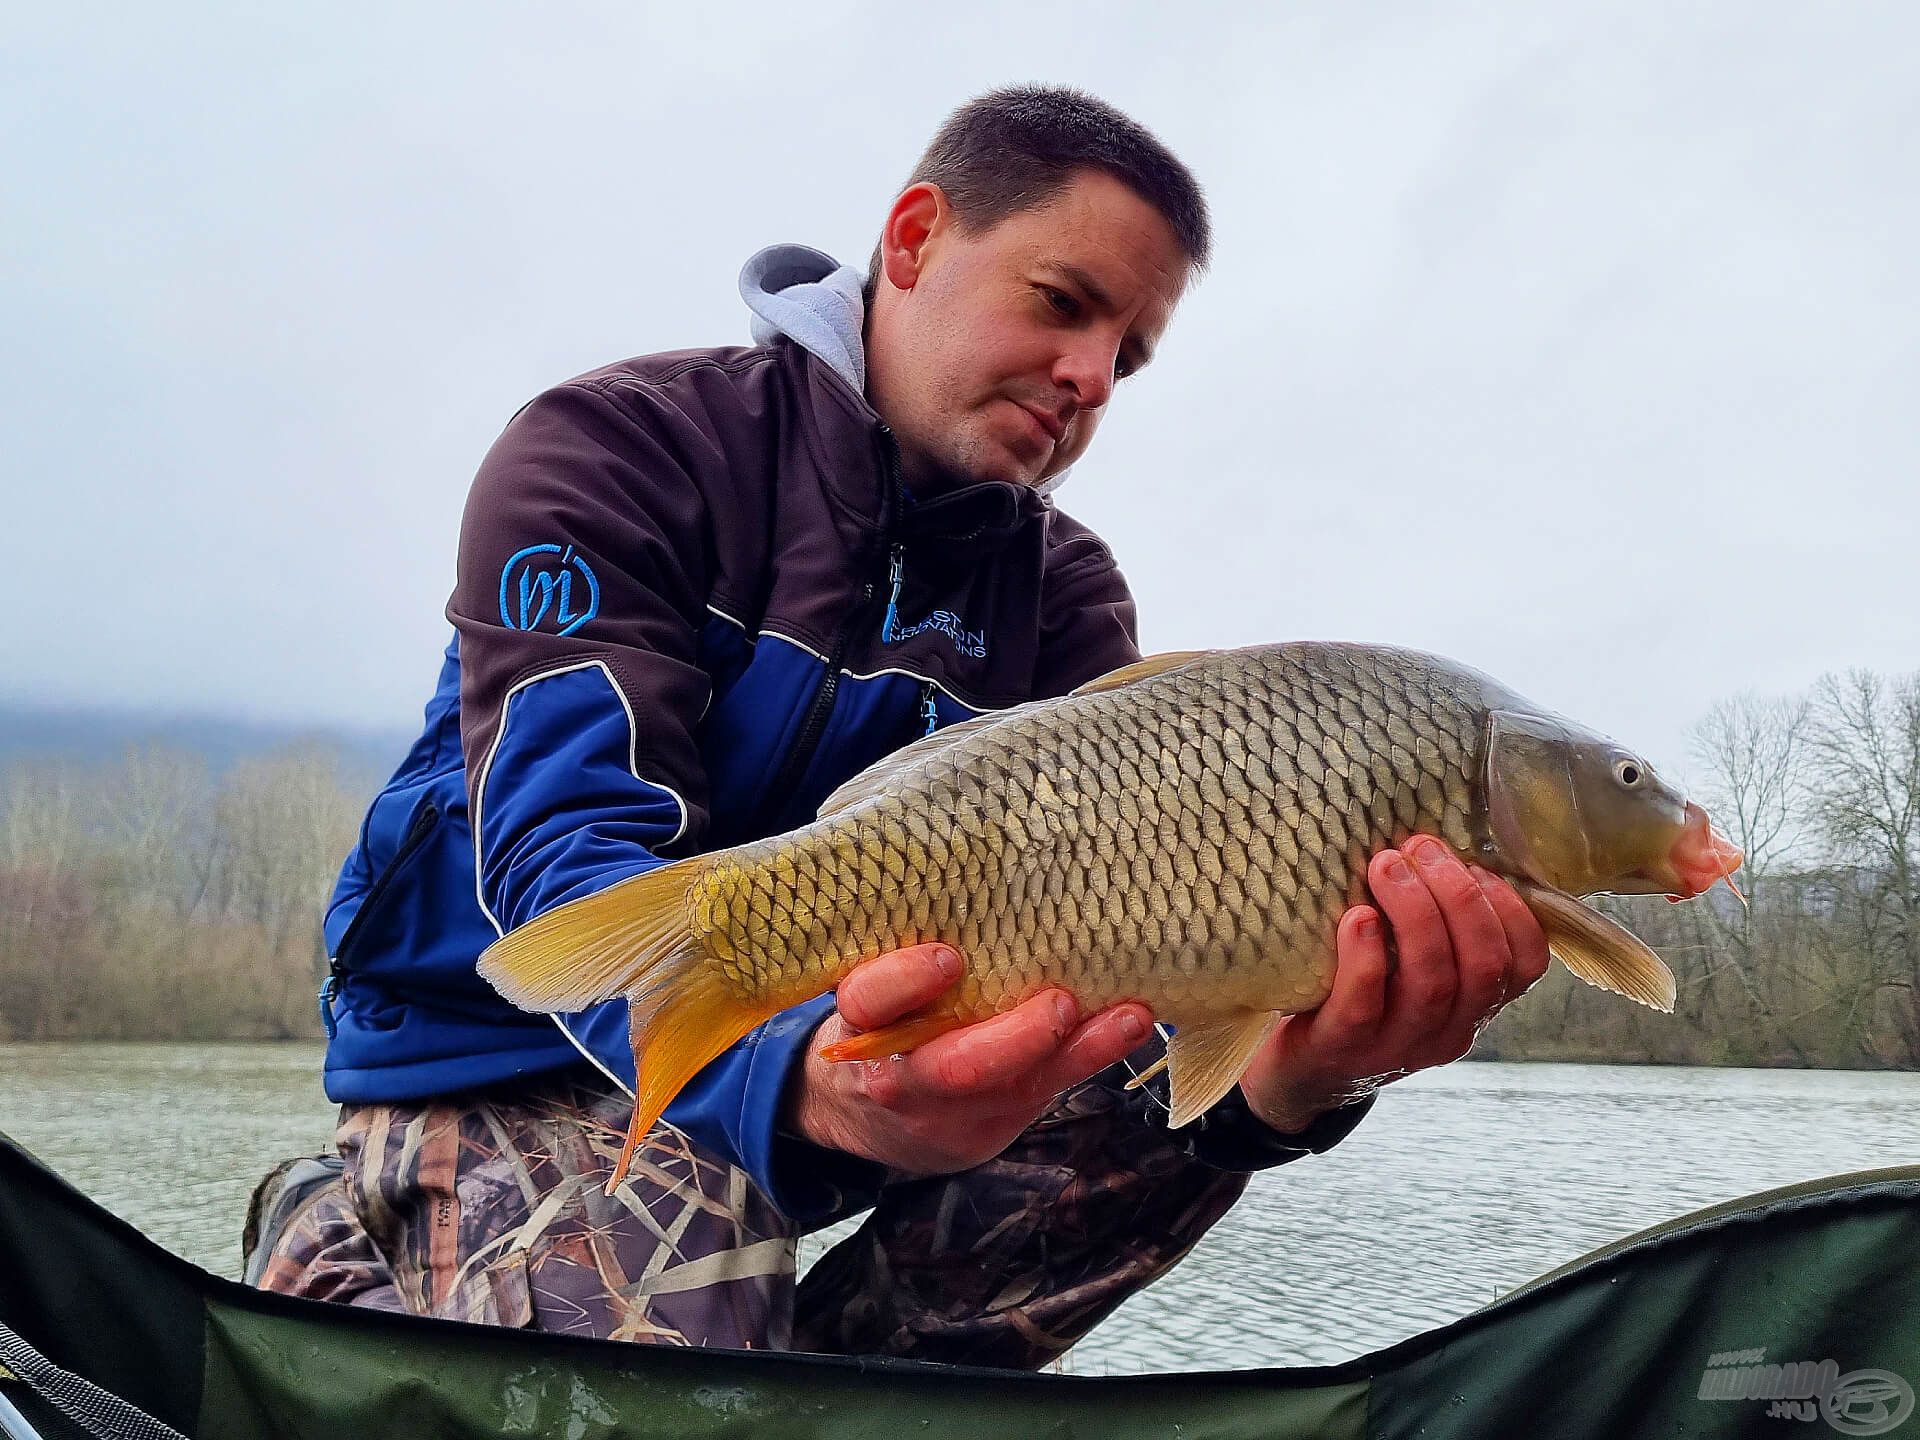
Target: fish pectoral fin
<point x="1142" y="669"/>
<point x="894" y="1039"/>
<point x="1598" y="950"/>
<point x="1205" y="1061"/>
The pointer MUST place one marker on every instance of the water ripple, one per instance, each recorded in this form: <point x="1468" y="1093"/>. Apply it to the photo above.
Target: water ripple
<point x="1462" y="1184"/>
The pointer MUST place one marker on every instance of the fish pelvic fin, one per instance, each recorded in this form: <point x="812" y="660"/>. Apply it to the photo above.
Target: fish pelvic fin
<point x="1599" y="951"/>
<point x="631" y="939"/>
<point x="1206" y="1060"/>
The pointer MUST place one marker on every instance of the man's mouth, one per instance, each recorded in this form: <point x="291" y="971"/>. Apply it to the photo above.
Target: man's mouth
<point x="1051" y="424"/>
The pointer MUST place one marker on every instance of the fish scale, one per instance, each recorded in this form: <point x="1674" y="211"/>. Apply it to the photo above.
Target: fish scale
<point x="1186" y="832"/>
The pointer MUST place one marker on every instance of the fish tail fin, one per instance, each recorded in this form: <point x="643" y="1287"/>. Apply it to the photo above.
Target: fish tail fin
<point x="1599" y="951"/>
<point x="622" y="940"/>
<point x="634" y="939"/>
<point x="685" y="1019"/>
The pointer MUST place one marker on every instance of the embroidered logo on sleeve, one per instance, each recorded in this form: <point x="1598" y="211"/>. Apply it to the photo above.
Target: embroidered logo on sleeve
<point x="548" y="587"/>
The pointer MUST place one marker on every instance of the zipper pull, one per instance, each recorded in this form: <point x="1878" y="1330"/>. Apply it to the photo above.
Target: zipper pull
<point x="929" y="711"/>
<point x="329" y="992"/>
<point x="896" y="570"/>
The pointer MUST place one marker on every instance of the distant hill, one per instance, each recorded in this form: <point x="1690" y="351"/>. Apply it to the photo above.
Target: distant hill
<point x="99" y="735"/>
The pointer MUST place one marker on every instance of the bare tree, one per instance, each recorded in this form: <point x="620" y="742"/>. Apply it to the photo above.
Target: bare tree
<point x="40" y="821"/>
<point x="1864" y="748"/>
<point x="1753" y="752"/>
<point x="284" y="825"/>
<point x="153" y="820"/>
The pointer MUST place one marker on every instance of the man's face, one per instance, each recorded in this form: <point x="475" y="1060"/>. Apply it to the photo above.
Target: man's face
<point x="993" y="355"/>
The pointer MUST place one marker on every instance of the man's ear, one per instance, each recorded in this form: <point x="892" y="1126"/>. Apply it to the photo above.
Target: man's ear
<point x="914" y="224"/>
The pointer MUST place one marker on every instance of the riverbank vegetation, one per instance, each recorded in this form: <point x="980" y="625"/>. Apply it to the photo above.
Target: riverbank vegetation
<point x="154" y="899"/>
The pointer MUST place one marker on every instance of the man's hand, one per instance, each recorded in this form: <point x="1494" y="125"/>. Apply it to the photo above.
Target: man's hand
<point x="1467" y="946"/>
<point x="958" y="1100"/>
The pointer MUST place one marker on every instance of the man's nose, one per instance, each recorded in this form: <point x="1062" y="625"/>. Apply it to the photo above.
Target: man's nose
<point x="1086" y="372"/>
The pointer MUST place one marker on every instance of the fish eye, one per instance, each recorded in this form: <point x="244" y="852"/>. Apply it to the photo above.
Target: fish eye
<point x="1628" y="771"/>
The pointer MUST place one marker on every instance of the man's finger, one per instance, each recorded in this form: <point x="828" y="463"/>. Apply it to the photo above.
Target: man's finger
<point x="1421" y="988"/>
<point x="1352" y="1012"/>
<point x="888" y="986"/>
<point x="993" y="1053"/>
<point x="1479" y="941"/>
<point x="1101" y="1040"/>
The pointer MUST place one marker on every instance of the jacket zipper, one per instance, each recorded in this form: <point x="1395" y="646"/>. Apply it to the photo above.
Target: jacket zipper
<point x="415" y="837"/>
<point x="896" y="574"/>
<point x="929" y="711"/>
<point x="820" y="708"/>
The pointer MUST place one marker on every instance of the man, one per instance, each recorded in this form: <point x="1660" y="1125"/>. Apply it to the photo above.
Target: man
<point x="697" y="592"/>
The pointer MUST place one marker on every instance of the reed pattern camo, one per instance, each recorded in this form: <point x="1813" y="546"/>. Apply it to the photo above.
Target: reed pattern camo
<point x="490" y="1208"/>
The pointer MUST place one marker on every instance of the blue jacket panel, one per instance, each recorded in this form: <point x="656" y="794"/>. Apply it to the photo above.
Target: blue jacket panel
<point x="693" y="600"/>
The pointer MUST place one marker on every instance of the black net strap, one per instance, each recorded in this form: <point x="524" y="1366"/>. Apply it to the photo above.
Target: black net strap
<point x="96" y="1411"/>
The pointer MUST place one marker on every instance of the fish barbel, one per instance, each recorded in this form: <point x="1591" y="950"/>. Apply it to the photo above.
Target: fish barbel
<point x="1186" y="832"/>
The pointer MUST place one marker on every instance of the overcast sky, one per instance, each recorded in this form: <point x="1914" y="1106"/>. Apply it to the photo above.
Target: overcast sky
<point x="1582" y="348"/>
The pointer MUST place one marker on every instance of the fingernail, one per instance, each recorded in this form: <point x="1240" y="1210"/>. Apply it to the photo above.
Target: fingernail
<point x="948" y="960"/>
<point x="1132" y="1028"/>
<point x="1397" y="868"/>
<point x="1368" y="928"/>
<point x="1064" y="1007"/>
<point x="1426" y="852"/>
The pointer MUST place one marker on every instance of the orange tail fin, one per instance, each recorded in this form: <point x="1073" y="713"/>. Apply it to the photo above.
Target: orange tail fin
<point x="633" y="939"/>
<point x="675" y="1034"/>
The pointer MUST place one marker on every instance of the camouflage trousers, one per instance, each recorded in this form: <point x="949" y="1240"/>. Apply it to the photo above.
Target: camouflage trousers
<point x="490" y="1207"/>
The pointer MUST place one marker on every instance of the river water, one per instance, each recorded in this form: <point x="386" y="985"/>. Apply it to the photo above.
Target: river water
<point x="1462" y="1184"/>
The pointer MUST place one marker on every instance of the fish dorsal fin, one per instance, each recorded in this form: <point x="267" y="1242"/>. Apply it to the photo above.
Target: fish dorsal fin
<point x="1599" y="951"/>
<point x="878" y="776"/>
<point x="1205" y="1061"/>
<point x="1143" y="669"/>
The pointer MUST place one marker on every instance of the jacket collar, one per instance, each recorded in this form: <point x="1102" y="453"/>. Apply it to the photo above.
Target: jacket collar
<point x="856" y="455"/>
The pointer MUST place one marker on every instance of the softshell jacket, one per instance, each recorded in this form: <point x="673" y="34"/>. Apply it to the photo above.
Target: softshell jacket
<point x="693" y="597"/>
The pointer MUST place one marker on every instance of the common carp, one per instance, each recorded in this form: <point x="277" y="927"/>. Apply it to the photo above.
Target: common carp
<point x="1186" y="832"/>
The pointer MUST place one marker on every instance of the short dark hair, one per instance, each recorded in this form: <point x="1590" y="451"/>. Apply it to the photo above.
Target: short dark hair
<point x="1018" y="147"/>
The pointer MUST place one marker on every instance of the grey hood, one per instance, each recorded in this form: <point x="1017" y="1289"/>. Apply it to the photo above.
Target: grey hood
<point x="813" y="300"/>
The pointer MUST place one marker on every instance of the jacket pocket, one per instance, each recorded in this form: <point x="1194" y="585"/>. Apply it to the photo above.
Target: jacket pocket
<point x="419" y="830"/>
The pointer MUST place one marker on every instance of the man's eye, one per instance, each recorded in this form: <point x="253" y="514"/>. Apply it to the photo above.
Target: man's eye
<point x="1121" y="369"/>
<point x="1061" y="301"/>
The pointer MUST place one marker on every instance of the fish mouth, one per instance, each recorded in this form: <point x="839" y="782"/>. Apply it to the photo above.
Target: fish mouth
<point x="1701" y="857"/>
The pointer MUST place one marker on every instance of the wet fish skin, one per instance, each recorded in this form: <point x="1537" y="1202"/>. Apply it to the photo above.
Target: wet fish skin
<point x="1186" y="832"/>
<point x="1190" y="840"/>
